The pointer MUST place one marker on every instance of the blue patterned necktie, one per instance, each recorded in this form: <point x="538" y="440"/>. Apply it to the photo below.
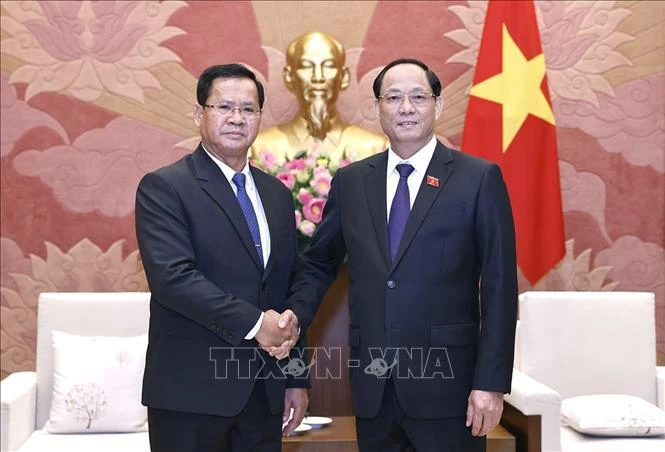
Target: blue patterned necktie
<point x="400" y="208"/>
<point x="247" y="209"/>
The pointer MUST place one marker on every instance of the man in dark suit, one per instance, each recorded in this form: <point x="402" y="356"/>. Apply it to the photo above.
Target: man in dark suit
<point x="217" y="240"/>
<point x="429" y="236"/>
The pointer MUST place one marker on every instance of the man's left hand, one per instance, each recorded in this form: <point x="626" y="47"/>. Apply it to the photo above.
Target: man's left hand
<point x="297" y="399"/>
<point x="483" y="411"/>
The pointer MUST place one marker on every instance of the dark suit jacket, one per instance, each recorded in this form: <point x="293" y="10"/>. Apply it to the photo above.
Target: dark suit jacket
<point x="449" y="297"/>
<point x="209" y="287"/>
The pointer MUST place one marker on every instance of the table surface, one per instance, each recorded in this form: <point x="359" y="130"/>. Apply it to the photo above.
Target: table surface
<point x="343" y="428"/>
<point x="342" y="431"/>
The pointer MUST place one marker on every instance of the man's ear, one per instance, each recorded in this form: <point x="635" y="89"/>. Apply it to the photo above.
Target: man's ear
<point x="198" y="114"/>
<point x="376" y="108"/>
<point x="288" y="77"/>
<point x="438" y="106"/>
<point x="346" y="78"/>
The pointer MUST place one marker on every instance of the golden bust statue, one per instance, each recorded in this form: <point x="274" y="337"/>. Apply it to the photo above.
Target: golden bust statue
<point x="315" y="73"/>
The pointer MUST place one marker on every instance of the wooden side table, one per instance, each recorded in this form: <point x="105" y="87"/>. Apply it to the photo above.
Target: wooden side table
<point x="340" y="436"/>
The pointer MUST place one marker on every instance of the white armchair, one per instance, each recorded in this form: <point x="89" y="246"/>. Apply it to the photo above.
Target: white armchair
<point x="26" y="396"/>
<point x="582" y="343"/>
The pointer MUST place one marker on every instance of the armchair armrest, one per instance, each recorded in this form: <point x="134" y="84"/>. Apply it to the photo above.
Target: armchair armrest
<point x="660" y="387"/>
<point x="18" y="394"/>
<point x="534" y="398"/>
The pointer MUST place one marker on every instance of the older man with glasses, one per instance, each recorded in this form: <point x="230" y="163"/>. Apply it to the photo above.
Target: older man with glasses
<point x="430" y="241"/>
<point x="217" y="239"/>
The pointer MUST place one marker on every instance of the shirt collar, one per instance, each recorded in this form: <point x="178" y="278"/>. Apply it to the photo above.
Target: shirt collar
<point x="227" y="170"/>
<point x="420" y="160"/>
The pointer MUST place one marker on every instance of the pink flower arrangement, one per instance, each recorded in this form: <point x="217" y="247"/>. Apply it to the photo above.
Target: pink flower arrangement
<point x="287" y="179"/>
<point x="308" y="176"/>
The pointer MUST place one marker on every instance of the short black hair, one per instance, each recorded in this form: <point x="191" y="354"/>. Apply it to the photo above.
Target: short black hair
<point x="225" y="71"/>
<point x="432" y="78"/>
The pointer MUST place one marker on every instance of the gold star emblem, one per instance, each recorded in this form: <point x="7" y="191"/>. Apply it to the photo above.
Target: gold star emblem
<point x="516" y="88"/>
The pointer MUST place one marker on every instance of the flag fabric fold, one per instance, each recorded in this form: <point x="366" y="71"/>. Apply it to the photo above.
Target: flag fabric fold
<point x="509" y="120"/>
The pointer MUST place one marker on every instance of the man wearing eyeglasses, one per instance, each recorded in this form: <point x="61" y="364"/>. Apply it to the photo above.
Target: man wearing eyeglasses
<point x="429" y="236"/>
<point x="217" y="239"/>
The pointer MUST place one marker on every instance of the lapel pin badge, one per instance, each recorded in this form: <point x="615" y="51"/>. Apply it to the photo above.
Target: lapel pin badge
<point x="433" y="181"/>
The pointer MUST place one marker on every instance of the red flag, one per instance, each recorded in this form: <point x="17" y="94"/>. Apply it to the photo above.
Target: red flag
<point x="509" y="121"/>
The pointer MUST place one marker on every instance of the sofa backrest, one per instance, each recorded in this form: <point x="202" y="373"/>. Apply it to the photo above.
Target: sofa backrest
<point x="120" y="314"/>
<point x="581" y="343"/>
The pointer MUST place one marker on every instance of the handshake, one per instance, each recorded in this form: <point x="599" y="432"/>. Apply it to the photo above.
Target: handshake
<point x="278" y="332"/>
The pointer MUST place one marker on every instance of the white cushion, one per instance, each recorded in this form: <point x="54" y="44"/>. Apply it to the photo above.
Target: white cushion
<point x="97" y="384"/>
<point x="118" y="314"/>
<point x="572" y="441"/>
<point x="613" y="415"/>
<point x="40" y="441"/>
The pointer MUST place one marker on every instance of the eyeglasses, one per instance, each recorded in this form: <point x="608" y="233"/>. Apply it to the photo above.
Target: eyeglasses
<point x="247" y="111"/>
<point x="419" y="98"/>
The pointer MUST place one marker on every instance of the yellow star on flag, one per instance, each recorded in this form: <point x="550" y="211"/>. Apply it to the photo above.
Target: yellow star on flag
<point x="516" y="88"/>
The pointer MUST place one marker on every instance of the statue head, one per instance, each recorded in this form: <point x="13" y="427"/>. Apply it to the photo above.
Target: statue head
<point x="315" y="73"/>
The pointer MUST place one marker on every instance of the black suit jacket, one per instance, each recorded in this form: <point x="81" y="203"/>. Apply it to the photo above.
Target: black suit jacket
<point x="445" y="307"/>
<point x="209" y="287"/>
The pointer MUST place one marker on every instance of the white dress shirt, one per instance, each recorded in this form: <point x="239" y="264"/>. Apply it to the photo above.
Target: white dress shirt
<point x="420" y="161"/>
<point x="253" y="194"/>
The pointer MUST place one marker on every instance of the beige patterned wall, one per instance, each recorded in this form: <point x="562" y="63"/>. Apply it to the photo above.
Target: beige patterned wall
<point x="95" y="94"/>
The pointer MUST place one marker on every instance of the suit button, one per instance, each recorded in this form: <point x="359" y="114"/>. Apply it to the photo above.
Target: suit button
<point x="391" y="284"/>
<point x="228" y="334"/>
<point x="214" y="326"/>
<point x="264" y="286"/>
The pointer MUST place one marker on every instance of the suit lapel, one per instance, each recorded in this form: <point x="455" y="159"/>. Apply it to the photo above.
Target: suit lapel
<point x="270" y="203"/>
<point x="375" y="188"/>
<point x="214" y="183"/>
<point x="440" y="169"/>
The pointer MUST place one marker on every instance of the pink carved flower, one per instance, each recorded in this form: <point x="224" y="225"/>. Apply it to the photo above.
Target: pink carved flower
<point x="298" y="218"/>
<point x="307" y="228"/>
<point x="287" y="179"/>
<point x="321" y="182"/>
<point x="304" y="196"/>
<point x="313" y="210"/>
<point x="88" y="48"/>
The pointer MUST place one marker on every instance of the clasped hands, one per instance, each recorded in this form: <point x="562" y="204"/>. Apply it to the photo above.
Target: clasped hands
<point x="278" y="332"/>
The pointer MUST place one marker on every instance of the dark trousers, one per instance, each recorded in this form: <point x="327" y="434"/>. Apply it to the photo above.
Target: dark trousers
<point x="253" y="430"/>
<point x="392" y="431"/>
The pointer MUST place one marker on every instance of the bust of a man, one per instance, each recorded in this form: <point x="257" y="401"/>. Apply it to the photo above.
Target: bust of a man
<point x="315" y="73"/>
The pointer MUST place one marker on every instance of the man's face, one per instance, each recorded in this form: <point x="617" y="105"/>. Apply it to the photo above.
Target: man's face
<point x="317" y="71"/>
<point x="408" y="126"/>
<point x="229" y="136"/>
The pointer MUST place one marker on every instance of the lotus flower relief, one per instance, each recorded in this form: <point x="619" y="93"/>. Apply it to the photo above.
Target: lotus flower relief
<point x="579" y="39"/>
<point x="83" y="268"/>
<point x="87" y="48"/>
<point x="573" y="272"/>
